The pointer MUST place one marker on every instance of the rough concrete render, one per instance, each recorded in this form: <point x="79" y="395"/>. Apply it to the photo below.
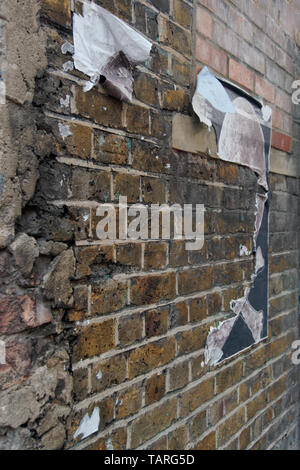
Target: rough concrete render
<point x="144" y="344"/>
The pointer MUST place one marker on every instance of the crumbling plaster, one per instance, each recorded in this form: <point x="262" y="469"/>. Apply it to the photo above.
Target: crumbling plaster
<point x="22" y="59"/>
<point x="36" y="383"/>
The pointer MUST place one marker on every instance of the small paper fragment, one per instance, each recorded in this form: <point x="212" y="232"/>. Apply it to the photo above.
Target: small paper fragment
<point x="88" y="425"/>
<point x="266" y="113"/>
<point x="64" y="130"/>
<point x="67" y="47"/>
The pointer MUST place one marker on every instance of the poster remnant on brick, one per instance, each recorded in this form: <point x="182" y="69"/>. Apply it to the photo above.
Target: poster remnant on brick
<point x="106" y="49"/>
<point x="243" y="130"/>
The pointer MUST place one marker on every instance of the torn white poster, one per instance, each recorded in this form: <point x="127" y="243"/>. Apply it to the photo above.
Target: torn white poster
<point x="106" y="46"/>
<point x="242" y="140"/>
<point x="212" y="90"/>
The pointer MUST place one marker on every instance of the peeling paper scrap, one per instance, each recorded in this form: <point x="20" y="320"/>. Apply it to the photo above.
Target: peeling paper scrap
<point x="261" y="200"/>
<point x="215" y="341"/>
<point x="210" y="91"/>
<point x="210" y="88"/>
<point x="65" y="102"/>
<point x="106" y="46"/>
<point x="64" y="130"/>
<point x="202" y="109"/>
<point x="68" y="66"/>
<point x="242" y="140"/>
<point x="67" y="47"/>
<point x="88" y="425"/>
<point x="259" y="260"/>
<point x="266" y="113"/>
<point x="244" y="251"/>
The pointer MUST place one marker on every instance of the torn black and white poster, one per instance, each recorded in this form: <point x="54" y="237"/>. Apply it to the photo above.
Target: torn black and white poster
<point x="243" y="130"/>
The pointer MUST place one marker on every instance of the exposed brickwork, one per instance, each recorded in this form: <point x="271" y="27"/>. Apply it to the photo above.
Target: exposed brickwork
<point x="121" y="328"/>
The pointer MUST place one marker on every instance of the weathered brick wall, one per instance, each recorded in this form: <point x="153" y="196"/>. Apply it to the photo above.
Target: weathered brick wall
<point x="121" y="328"/>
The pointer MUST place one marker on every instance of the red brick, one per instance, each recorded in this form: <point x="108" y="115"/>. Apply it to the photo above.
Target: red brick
<point x="209" y="4"/>
<point x="241" y="75"/>
<point x="277" y="119"/>
<point x="283" y="101"/>
<point x="211" y="56"/>
<point x="19" y="313"/>
<point x="265" y="89"/>
<point x="281" y="141"/>
<point x="204" y="22"/>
